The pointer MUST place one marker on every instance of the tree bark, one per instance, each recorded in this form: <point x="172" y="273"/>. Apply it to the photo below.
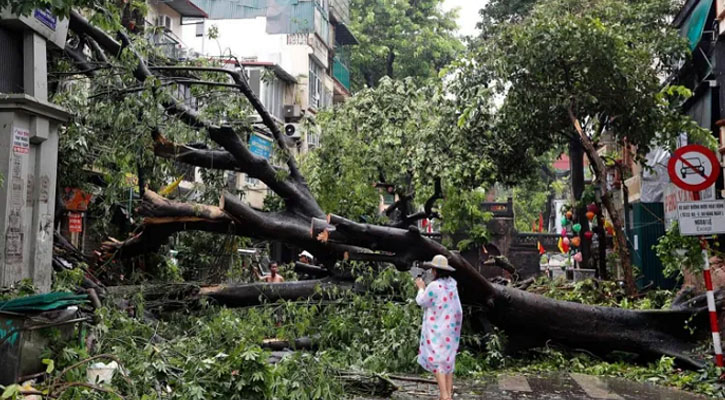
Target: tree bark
<point x="256" y="293"/>
<point x="619" y="233"/>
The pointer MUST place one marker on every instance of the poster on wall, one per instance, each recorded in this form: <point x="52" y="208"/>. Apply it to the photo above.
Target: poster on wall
<point x="21" y="141"/>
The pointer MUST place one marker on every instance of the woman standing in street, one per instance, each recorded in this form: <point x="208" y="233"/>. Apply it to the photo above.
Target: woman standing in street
<point x="441" y="330"/>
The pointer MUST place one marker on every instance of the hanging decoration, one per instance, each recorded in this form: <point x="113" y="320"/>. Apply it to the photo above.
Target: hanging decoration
<point x="563" y="247"/>
<point x="588" y="235"/>
<point x="591" y="215"/>
<point x="576" y="228"/>
<point x="576" y="241"/>
<point x="578" y="257"/>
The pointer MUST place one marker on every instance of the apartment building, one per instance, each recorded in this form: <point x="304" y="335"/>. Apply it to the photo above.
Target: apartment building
<point x="162" y="23"/>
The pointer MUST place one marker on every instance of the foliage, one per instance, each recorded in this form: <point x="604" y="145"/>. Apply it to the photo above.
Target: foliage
<point x="405" y="133"/>
<point x="21" y="288"/>
<point x="601" y="58"/>
<point x="601" y="293"/>
<point x="677" y="252"/>
<point x="400" y="39"/>
<point x="215" y="353"/>
<point x="57" y="7"/>
<point x="67" y="280"/>
<point x="461" y="212"/>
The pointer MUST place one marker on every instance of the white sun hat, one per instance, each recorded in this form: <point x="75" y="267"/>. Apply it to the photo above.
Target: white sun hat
<point x="440" y="262"/>
<point x="306" y="254"/>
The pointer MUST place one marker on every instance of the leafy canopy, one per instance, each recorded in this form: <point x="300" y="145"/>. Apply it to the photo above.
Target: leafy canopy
<point x="604" y="59"/>
<point x="401" y="38"/>
<point x="401" y="132"/>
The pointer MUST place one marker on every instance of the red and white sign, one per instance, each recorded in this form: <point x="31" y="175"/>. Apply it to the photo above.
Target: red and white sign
<point x="75" y="223"/>
<point x="693" y="168"/>
<point x="21" y="141"/>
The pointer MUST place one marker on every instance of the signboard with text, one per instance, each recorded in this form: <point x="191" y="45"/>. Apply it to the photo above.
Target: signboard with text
<point x="702" y="218"/>
<point x="260" y="146"/>
<point x="674" y="196"/>
<point x="75" y="223"/>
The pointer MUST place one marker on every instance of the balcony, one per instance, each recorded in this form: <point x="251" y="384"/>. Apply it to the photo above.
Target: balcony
<point x="341" y="72"/>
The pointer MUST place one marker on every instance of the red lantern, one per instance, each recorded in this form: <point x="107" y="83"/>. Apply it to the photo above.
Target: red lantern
<point x="588" y="235"/>
<point x="593" y="208"/>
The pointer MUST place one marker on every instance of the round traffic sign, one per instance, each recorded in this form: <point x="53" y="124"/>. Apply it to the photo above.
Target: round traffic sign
<point x="693" y="167"/>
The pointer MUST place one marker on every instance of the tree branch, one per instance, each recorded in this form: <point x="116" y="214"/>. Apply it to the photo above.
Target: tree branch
<point x="188" y="154"/>
<point x="296" y="194"/>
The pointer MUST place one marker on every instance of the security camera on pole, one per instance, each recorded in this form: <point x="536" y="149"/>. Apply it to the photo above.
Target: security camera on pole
<point x="696" y="168"/>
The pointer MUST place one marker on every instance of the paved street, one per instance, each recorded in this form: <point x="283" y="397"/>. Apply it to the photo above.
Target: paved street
<point x="550" y="387"/>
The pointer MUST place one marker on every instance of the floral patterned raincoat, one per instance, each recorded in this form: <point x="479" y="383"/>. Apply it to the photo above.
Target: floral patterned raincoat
<point x="441" y="331"/>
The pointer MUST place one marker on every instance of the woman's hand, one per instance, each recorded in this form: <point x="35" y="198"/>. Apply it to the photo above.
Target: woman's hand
<point x="420" y="283"/>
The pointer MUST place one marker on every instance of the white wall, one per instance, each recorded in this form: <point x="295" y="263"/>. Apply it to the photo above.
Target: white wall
<point x="247" y="38"/>
<point x="157" y="9"/>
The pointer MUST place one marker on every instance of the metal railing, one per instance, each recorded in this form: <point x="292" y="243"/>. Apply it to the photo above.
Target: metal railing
<point x="340" y="70"/>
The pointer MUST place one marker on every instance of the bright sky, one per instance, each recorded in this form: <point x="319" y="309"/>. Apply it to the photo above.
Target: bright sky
<point x="467" y="14"/>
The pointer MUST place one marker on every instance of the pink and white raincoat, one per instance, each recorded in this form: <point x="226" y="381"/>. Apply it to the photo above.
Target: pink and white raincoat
<point x="441" y="331"/>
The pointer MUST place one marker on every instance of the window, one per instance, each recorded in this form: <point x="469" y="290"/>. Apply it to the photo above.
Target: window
<point x="313" y="140"/>
<point x="251" y="181"/>
<point x="273" y="96"/>
<point x="315" y="84"/>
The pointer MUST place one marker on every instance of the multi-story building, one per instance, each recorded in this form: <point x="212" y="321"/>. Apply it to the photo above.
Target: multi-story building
<point x="162" y="22"/>
<point x="169" y="16"/>
<point x="294" y="54"/>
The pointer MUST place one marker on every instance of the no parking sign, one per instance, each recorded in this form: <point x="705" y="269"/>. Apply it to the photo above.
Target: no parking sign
<point x="693" y="167"/>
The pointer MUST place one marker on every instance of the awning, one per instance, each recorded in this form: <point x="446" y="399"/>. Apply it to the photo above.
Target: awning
<point x="343" y="35"/>
<point x="186" y="8"/>
<point x="693" y="24"/>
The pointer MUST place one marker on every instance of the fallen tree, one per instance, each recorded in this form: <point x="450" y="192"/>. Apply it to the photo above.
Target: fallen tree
<point x="528" y="319"/>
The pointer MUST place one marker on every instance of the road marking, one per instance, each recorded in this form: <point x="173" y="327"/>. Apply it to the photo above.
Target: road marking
<point x="594" y="387"/>
<point x="513" y="383"/>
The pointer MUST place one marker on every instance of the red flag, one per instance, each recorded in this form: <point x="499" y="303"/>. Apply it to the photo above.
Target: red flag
<point x="541" y="248"/>
<point x="541" y="222"/>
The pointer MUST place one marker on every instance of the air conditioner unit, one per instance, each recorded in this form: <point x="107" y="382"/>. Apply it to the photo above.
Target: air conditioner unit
<point x="292" y="112"/>
<point x="293" y="132"/>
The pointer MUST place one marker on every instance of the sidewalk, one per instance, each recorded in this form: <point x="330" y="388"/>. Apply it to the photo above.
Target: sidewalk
<point x="548" y="387"/>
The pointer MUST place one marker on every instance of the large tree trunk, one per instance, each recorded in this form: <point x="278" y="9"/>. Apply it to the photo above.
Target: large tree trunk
<point x="531" y="320"/>
<point x="528" y="319"/>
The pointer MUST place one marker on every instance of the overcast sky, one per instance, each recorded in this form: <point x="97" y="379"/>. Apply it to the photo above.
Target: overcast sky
<point x="468" y="14"/>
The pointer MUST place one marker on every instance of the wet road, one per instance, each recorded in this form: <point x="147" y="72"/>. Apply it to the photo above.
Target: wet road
<point x="548" y="387"/>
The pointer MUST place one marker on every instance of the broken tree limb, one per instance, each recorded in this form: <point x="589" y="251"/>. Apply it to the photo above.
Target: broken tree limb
<point x="411" y="245"/>
<point x="255" y="293"/>
<point x="302" y="343"/>
<point x="312" y="270"/>
<point x="205" y="158"/>
<point x="503" y="263"/>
